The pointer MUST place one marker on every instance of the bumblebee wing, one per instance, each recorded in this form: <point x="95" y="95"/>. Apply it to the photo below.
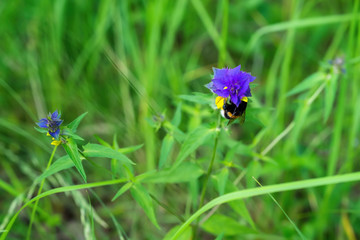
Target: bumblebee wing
<point x="242" y="118"/>
<point x="230" y="121"/>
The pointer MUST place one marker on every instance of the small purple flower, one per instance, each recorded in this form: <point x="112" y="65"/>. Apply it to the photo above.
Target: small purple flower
<point x="52" y="123"/>
<point x="231" y="83"/>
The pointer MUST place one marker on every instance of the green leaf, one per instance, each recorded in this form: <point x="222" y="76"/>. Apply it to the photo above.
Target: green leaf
<point x="70" y="133"/>
<point x="218" y="224"/>
<point x="176" y="132"/>
<point x="282" y="187"/>
<point x="186" y="235"/>
<point x="41" y="130"/>
<point x="177" y="116"/>
<point x="122" y="190"/>
<point x="200" y="98"/>
<point x="165" y="151"/>
<point x="96" y="150"/>
<point x="130" y="149"/>
<point x="143" y="198"/>
<point x="192" y="141"/>
<point x="102" y="142"/>
<point x="239" y="206"/>
<point x="61" y="164"/>
<point x="307" y="83"/>
<point x="72" y="150"/>
<point x="186" y="172"/>
<point x="330" y="92"/>
<point x="222" y="178"/>
<point x="74" y="124"/>
<point x="220" y="237"/>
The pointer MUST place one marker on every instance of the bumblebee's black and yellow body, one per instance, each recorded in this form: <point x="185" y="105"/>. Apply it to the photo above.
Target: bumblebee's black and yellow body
<point x="231" y="111"/>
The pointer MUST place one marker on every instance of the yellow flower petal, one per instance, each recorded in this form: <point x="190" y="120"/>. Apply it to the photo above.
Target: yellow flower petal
<point x="47" y="134"/>
<point x="219" y="101"/>
<point x="244" y="99"/>
<point x="56" y="142"/>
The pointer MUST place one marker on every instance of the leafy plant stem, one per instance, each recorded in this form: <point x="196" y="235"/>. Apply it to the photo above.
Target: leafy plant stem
<point x="203" y="191"/>
<point x="39" y="191"/>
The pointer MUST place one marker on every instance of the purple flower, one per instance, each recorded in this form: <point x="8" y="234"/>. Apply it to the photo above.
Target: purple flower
<point x="231" y="83"/>
<point x="52" y="123"/>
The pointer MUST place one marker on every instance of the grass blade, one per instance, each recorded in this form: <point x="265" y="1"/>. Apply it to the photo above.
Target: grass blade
<point x="304" y="184"/>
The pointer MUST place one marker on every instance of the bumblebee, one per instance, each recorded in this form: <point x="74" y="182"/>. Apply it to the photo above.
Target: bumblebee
<point x="232" y="112"/>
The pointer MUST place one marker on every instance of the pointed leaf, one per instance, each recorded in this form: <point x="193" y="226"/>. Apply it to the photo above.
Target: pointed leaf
<point x="143" y="198"/>
<point x="200" y="98"/>
<point x="218" y="224"/>
<point x="122" y="190"/>
<point x="307" y="83"/>
<point x="74" y="124"/>
<point x="130" y="149"/>
<point x="193" y="140"/>
<point x="96" y="150"/>
<point x="239" y="206"/>
<point x="177" y="117"/>
<point x="222" y="178"/>
<point x="186" y="235"/>
<point x="166" y="147"/>
<point x="330" y="92"/>
<point x="61" y="164"/>
<point x="72" y="150"/>
<point x="70" y="133"/>
<point x="186" y="172"/>
<point x="102" y="141"/>
<point x="42" y="130"/>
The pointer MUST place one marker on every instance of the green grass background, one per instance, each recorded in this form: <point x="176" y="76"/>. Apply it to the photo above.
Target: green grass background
<point x="128" y="62"/>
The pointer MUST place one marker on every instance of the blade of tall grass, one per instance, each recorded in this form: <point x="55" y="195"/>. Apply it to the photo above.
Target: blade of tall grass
<point x="17" y="98"/>
<point x="286" y="67"/>
<point x="8" y="188"/>
<point x="287" y="216"/>
<point x="224" y="33"/>
<point x="211" y="29"/>
<point x="24" y="134"/>
<point x="120" y="230"/>
<point x="303" y="184"/>
<point x="94" y="44"/>
<point x="173" y="25"/>
<point x="294" y="24"/>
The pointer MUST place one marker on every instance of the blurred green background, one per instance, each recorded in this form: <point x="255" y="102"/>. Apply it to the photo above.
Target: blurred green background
<point x="129" y="65"/>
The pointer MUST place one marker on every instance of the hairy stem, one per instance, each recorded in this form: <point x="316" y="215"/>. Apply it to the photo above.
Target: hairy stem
<point x="39" y="191"/>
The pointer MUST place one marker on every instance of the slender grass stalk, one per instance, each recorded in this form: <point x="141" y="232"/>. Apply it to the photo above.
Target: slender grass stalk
<point x="58" y="190"/>
<point x="167" y="208"/>
<point x="298" y="23"/>
<point x="252" y="192"/>
<point x="39" y="192"/>
<point x="208" y="174"/>
<point x="286" y="68"/>
<point x="277" y="203"/>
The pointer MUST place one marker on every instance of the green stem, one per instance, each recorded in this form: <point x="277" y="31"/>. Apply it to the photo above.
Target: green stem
<point x="39" y="192"/>
<point x="167" y="208"/>
<point x="208" y="174"/>
<point x="209" y="171"/>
